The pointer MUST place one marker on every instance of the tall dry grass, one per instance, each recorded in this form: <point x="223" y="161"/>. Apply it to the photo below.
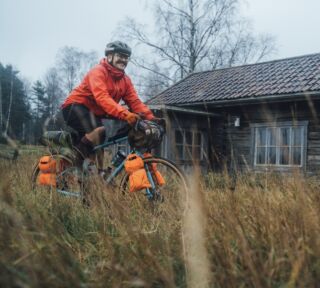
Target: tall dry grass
<point x="262" y="231"/>
<point x="265" y="233"/>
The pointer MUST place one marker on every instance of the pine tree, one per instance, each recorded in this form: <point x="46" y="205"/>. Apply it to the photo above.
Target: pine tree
<point x="15" y="112"/>
<point x="41" y="107"/>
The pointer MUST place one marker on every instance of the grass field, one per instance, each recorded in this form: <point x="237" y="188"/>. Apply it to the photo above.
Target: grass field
<point x="262" y="233"/>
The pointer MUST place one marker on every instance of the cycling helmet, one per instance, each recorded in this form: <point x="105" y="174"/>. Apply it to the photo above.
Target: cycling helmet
<point x="146" y="134"/>
<point x="118" y="46"/>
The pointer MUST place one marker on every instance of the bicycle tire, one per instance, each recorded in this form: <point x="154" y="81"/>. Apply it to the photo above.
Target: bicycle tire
<point x="173" y="192"/>
<point x="69" y="178"/>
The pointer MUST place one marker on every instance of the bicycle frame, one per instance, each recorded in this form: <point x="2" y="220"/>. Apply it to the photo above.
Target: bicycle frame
<point x="120" y="167"/>
<point x="107" y="144"/>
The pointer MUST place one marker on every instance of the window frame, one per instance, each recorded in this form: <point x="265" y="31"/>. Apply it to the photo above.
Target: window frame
<point x="184" y="145"/>
<point x="278" y="126"/>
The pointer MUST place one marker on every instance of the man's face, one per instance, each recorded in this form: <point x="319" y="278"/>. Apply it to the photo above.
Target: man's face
<point x="120" y="61"/>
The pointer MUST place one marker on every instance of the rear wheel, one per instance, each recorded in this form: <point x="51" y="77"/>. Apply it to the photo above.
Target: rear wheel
<point x="166" y="202"/>
<point x="69" y="178"/>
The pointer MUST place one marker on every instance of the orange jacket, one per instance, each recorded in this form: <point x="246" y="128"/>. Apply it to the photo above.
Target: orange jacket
<point x="102" y="89"/>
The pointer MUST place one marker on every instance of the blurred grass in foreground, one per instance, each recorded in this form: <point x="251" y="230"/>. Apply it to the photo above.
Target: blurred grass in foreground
<point x="264" y="232"/>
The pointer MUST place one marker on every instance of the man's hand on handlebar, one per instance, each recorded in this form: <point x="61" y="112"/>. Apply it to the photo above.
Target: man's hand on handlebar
<point x="132" y="118"/>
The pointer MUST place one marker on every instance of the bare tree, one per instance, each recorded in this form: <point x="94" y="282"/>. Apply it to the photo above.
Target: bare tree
<point x="239" y="46"/>
<point x="194" y="35"/>
<point x="1" y="113"/>
<point x="72" y="63"/>
<point x="10" y="103"/>
<point x="52" y="82"/>
<point x="68" y="61"/>
<point x="151" y="82"/>
<point x="88" y="60"/>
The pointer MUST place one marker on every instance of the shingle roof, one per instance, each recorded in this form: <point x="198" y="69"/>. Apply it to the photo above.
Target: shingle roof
<point x="285" y="76"/>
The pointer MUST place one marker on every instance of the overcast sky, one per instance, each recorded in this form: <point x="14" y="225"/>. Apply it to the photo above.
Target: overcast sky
<point x="32" y="31"/>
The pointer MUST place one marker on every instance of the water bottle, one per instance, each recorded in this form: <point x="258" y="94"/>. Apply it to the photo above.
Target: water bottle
<point x="118" y="158"/>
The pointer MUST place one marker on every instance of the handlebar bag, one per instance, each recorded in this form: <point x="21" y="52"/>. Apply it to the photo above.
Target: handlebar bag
<point x="138" y="178"/>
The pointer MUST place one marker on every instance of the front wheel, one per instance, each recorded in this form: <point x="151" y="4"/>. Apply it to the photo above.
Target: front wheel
<point x="168" y="200"/>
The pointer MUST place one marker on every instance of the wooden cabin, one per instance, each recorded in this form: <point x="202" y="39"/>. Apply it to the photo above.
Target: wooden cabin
<point x="253" y="117"/>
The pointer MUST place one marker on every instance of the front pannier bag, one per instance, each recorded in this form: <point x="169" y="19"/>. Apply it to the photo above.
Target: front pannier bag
<point x="138" y="178"/>
<point x="153" y="168"/>
<point x="48" y="169"/>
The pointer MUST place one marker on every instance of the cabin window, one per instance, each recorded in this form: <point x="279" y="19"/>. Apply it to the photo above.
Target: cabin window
<point x="281" y="145"/>
<point x="189" y="145"/>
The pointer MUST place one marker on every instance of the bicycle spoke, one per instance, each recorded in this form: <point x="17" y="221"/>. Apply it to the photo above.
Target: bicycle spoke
<point x="70" y="182"/>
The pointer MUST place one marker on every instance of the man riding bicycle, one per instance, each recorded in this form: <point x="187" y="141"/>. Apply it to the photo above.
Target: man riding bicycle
<point x="98" y="97"/>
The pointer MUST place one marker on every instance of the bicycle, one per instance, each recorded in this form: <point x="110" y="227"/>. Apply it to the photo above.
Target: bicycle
<point x="72" y="178"/>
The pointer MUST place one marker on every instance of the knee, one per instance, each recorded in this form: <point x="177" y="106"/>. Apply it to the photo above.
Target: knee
<point x="97" y="136"/>
<point x="101" y="132"/>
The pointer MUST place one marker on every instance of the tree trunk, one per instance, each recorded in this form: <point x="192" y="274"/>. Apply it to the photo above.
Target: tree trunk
<point x="192" y="56"/>
<point x="10" y="105"/>
<point x="1" y="113"/>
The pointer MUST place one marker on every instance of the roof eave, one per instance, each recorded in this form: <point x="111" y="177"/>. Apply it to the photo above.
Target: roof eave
<point x="254" y="100"/>
<point x="173" y="108"/>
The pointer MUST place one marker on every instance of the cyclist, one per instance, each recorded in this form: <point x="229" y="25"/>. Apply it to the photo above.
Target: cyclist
<point x="98" y="97"/>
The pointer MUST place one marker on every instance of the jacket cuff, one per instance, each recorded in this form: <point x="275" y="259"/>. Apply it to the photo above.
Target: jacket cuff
<point x="123" y="115"/>
<point x="150" y="116"/>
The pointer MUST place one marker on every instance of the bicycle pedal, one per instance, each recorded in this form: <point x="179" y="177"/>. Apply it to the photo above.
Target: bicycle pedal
<point x="104" y="173"/>
<point x="158" y="197"/>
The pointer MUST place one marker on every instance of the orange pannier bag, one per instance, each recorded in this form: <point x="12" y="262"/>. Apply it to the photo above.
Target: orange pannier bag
<point x="48" y="169"/>
<point x="153" y="169"/>
<point x="138" y="178"/>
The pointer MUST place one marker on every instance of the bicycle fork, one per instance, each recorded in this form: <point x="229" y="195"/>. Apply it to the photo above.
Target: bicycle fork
<point x="152" y="193"/>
